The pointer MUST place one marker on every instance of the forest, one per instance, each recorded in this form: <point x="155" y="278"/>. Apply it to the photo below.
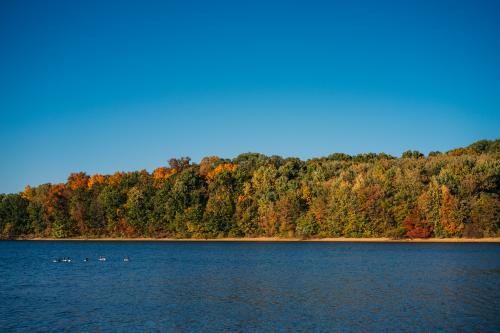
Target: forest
<point x="449" y="194"/>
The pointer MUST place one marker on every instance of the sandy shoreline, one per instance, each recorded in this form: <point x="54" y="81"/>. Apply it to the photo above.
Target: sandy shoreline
<point x="274" y="239"/>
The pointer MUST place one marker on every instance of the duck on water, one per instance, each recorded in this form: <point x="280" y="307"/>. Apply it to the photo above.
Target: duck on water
<point x="101" y="258"/>
<point x="63" y="259"/>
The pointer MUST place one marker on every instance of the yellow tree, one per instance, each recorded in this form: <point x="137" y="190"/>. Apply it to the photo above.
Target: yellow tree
<point x="161" y="174"/>
<point x="78" y="180"/>
<point x="449" y="214"/>
<point x="96" y="180"/>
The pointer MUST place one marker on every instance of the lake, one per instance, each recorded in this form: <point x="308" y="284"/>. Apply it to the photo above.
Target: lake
<point x="249" y="287"/>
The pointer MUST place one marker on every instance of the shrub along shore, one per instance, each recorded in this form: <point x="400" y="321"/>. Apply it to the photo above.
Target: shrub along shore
<point x="450" y="196"/>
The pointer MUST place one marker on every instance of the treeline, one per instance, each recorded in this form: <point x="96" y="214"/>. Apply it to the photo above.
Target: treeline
<point x="452" y="194"/>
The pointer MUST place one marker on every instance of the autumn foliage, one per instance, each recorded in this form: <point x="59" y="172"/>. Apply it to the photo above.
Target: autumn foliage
<point x="453" y="194"/>
<point x="229" y="167"/>
<point x="161" y="174"/>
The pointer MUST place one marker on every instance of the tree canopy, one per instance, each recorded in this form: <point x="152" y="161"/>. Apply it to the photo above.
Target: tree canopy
<point x="451" y="194"/>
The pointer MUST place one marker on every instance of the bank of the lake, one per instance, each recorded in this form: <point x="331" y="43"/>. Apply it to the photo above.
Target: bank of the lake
<point x="276" y="239"/>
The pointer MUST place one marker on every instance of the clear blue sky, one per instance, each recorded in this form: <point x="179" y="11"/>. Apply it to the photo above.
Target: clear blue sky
<point x="101" y="86"/>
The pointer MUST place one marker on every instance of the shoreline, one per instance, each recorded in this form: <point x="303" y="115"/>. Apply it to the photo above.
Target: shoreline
<point x="275" y="239"/>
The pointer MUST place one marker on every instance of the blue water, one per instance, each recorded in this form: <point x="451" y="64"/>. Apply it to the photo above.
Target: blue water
<point x="249" y="287"/>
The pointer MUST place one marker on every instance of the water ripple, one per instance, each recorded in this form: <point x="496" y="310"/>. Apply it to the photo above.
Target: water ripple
<point x="249" y="287"/>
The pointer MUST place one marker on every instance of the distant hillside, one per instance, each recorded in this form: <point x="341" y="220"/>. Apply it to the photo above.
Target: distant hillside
<point x="451" y="194"/>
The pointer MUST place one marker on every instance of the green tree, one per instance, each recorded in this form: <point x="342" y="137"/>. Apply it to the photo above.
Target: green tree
<point x="14" y="218"/>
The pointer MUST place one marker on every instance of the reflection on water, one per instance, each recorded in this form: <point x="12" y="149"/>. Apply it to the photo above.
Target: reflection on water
<point x="314" y="287"/>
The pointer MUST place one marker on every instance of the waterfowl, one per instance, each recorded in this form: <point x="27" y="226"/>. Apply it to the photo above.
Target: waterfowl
<point x="126" y="258"/>
<point x="102" y="258"/>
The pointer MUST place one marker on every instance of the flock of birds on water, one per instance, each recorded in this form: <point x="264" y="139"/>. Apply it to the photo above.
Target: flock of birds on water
<point x="101" y="258"/>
